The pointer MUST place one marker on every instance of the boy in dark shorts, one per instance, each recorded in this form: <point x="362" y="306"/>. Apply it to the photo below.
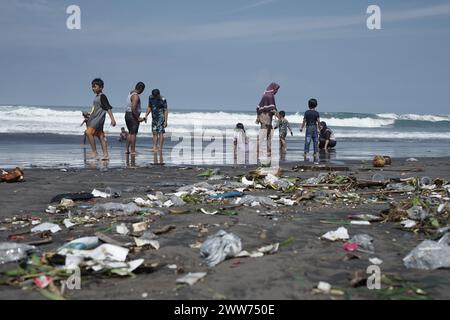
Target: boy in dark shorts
<point x="96" y="121"/>
<point x="157" y="106"/>
<point x="311" y="120"/>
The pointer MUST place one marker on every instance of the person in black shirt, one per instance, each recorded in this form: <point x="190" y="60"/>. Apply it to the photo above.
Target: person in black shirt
<point x="311" y="120"/>
<point x="326" y="138"/>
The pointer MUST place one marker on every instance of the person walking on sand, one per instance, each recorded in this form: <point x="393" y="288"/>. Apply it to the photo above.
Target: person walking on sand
<point x="133" y="117"/>
<point x="265" y="111"/>
<point x="311" y="120"/>
<point x="96" y="121"/>
<point x="157" y="106"/>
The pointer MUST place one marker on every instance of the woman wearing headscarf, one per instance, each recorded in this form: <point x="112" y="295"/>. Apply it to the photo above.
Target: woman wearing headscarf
<point x="266" y="109"/>
<point x="326" y="138"/>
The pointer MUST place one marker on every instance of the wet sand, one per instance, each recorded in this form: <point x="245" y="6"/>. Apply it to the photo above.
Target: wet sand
<point x="291" y="273"/>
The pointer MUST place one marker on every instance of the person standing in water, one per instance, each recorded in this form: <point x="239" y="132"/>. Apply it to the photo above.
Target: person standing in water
<point x="265" y="111"/>
<point x="157" y="106"/>
<point x="96" y="121"/>
<point x="133" y="117"/>
<point x="311" y="120"/>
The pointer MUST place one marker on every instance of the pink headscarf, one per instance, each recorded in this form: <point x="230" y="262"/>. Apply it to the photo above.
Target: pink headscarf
<point x="267" y="103"/>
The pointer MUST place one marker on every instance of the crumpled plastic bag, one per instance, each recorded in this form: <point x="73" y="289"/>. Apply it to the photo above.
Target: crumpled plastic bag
<point x="117" y="208"/>
<point x="417" y="213"/>
<point x="364" y="241"/>
<point x="219" y="247"/>
<point x="276" y="182"/>
<point x="430" y="255"/>
<point x="10" y="252"/>
<point x="252" y="200"/>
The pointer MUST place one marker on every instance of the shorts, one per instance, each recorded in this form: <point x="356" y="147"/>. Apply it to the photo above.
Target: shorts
<point x="132" y="123"/>
<point x="95" y="132"/>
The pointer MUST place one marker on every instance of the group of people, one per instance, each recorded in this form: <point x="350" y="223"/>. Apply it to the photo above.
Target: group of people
<point x="95" y="120"/>
<point x="316" y="132"/>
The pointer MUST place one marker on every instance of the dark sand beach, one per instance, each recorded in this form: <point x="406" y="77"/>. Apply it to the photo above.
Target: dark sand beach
<point x="291" y="273"/>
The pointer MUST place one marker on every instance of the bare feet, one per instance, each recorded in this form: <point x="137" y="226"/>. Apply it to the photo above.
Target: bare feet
<point x="92" y="155"/>
<point x="155" y="149"/>
<point x="105" y="157"/>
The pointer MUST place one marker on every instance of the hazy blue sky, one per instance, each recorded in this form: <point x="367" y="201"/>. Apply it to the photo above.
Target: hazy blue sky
<point x="211" y="54"/>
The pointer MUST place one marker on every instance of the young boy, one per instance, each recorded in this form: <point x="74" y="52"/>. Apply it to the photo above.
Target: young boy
<point x="123" y="135"/>
<point x="312" y="121"/>
<point x="96" y="121"/>
<point x="86" y="116"/>
<point x="157" y="106"/>
<point x="283" y="125"/>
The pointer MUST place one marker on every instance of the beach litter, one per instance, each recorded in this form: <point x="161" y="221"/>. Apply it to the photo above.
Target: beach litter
<point x="11" y="252"/>
<point x="53" y="228"/>
<point x="430" y="255"/>
<point x="364" y="243"/>
<point x="116" y="208"/>
<point x="191" y="278"/>
<point x="12" y="176"/>
<point x="254" y="201"/>
<point x="219" y="247"/>
<point x="340" y="234"/>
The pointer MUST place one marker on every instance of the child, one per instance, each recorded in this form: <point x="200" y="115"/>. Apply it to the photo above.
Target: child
<point x="96" y="121"/>
<point x="123" y="135"/>
<point x="157" y="106"/>
<point x="283" y="126"/>
<point x="312" y="121"/>
<point x="240" y="143"/>
<point x="86" y="116"/>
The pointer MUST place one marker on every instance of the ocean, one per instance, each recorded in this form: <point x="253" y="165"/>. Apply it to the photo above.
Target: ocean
<point x="51" y="137"/>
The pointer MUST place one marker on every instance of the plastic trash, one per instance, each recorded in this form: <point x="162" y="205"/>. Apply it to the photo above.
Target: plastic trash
<point x="400" y="187"/>
<point x="324" y="287"/>
<point x="117" y="208"/>
<point x="339" y="234"/>
<point x="177" y="201"/>
<point x="211" y="213"/>
<point x="227" y="195"/>
<point x="375" y="261"/>
<point x="247" y="182"/>
<point x="46" y="226"/>
<point x="122" y="229"/>
<point x="364" y="241"/>
<point x="408" y="223"/>
<point x="113" y="193"/>
<point x="219" y="247"/>
<point x="100" y="194"/>
<point x="191" y="278"/>
<point x="276" y="182"/>
<point x="417" y="213"/>
<point x="426" y="181"/>
<point x="378" y="177"/>
<point x="430" y="255"/>
<point x="350" y="247"/>
<point x="412" y="160"/>
<point x="254" y="201"/>
<point x="11" y="252"/>
<point x="86" y="243"/>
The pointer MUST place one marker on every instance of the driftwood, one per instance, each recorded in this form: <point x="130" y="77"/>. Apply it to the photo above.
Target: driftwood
<point x="369" y="183"/>
<point x="382" y="192"/>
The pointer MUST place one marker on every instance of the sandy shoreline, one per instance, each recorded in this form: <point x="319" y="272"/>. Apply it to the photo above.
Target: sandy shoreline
<point x="290" y="273"/>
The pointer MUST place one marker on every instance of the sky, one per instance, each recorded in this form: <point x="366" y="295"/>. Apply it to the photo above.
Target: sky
<point x="220" y="55"/>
